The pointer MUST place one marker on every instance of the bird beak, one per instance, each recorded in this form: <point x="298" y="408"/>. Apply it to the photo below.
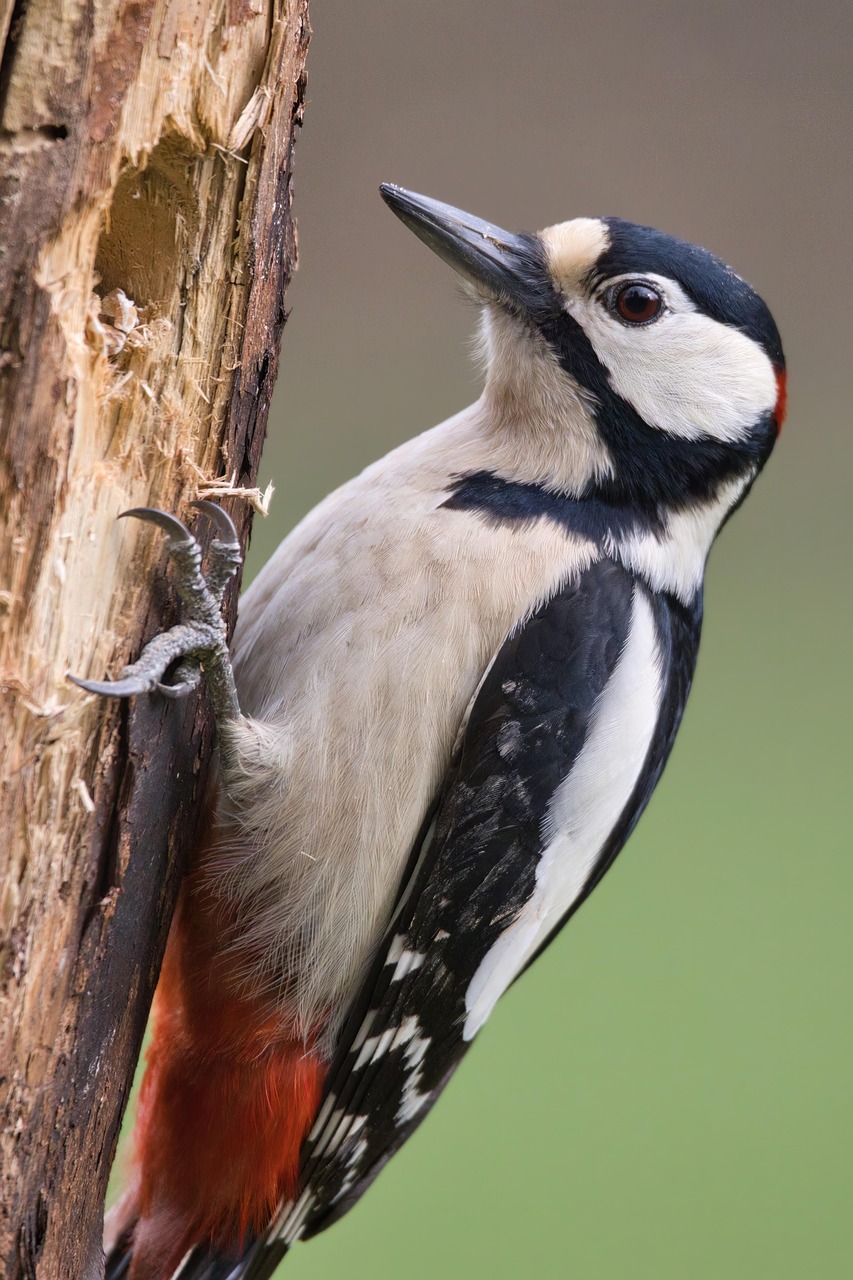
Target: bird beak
<point x="482" y="253"/>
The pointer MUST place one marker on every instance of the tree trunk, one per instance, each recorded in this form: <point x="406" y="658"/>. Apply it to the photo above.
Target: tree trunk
<point x="145" y="245"/>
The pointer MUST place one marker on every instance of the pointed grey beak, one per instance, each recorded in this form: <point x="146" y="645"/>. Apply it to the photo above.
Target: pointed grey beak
<point x="505" y="264"/>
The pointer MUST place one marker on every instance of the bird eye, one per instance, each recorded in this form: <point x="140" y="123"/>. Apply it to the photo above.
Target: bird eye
<point x="636" y="303"/>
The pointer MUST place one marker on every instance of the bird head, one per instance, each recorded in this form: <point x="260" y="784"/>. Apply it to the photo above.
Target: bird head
<point x="663" y="366"/>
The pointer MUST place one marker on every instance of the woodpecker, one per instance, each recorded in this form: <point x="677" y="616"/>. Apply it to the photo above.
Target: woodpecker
<point x="450" y="695"/>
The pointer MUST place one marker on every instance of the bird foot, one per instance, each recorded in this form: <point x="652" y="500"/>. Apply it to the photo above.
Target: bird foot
<point x="198" y="642"/>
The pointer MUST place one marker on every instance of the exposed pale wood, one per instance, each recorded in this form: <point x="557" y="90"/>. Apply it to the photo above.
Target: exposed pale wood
<point x="145" y="244"/>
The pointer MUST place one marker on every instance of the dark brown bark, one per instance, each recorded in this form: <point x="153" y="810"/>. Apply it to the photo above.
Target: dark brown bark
<point x="145" y="149"/>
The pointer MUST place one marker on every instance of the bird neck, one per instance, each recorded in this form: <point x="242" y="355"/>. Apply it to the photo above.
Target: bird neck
<point x="539" y="425"/>
<point x="523" y="469"/>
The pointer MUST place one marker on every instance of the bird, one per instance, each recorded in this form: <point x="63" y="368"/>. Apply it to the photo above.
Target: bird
<point x="448" y="699"/>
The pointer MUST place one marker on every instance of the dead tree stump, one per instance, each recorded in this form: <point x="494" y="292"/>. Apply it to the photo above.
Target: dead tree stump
<point x="145" y="245"/>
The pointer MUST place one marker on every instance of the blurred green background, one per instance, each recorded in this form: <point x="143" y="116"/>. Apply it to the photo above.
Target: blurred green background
<point x="667" y="1095"/>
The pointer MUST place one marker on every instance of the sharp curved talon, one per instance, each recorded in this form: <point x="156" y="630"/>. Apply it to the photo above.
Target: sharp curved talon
<point x="225" y="526"/>
<point x="175" y="691"/>
<point x="111" y="688"/>
<point x="180" y="650"/>
<point x="186" y="676"/>
<point x="171" y="524"/>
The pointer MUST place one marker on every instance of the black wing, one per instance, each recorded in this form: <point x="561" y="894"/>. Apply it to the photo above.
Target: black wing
<point x="472" y="872"/>
<point x="476" y="870"/>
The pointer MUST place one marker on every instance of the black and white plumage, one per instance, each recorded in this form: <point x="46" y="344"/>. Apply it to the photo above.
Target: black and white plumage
<point x="462" y="675"/>
<point x="531" y="814"/>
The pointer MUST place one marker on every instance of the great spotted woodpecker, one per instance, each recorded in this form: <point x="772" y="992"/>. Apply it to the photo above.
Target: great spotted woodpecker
<point x="455" y="686"/>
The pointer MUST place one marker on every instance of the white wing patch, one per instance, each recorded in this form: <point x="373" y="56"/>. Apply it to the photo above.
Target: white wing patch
<point x="583" y="810"/>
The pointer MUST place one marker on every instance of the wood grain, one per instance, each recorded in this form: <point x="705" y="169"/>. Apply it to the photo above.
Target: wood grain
<point x="146" y="242"/>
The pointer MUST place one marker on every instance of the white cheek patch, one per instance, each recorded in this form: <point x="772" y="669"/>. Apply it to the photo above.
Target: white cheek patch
<point x="685" y="374"/>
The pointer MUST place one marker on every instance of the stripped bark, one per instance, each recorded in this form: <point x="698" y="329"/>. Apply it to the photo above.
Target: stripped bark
<point x="145" y="245"/>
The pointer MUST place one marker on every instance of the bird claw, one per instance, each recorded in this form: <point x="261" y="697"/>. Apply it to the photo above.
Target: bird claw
<point x="110" y="688"/>
<point x="178" y="531"/>
<point x="187" y="676"/>
<point x="225" y="525"/>
<point x="203" y="635"/>
<point x="175" y="528"/>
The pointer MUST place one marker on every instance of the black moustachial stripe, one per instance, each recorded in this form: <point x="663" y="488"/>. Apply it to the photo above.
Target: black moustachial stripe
<point x="501" y="501"/>
<point x="526" y="729"/>
<point x="654" y="470"/>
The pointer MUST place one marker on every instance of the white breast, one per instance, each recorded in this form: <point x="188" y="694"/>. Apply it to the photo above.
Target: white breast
<point x="583" y="811"/>
<point x="357" y="652"/>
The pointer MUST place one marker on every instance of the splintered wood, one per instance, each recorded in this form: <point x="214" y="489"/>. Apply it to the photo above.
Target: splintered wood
<point x="145" y="244"/>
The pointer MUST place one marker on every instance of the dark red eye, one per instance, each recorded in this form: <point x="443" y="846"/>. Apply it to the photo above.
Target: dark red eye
<point x="637" y="303"/>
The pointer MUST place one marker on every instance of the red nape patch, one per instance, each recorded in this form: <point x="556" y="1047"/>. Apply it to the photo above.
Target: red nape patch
<point x="781" y="398"/>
